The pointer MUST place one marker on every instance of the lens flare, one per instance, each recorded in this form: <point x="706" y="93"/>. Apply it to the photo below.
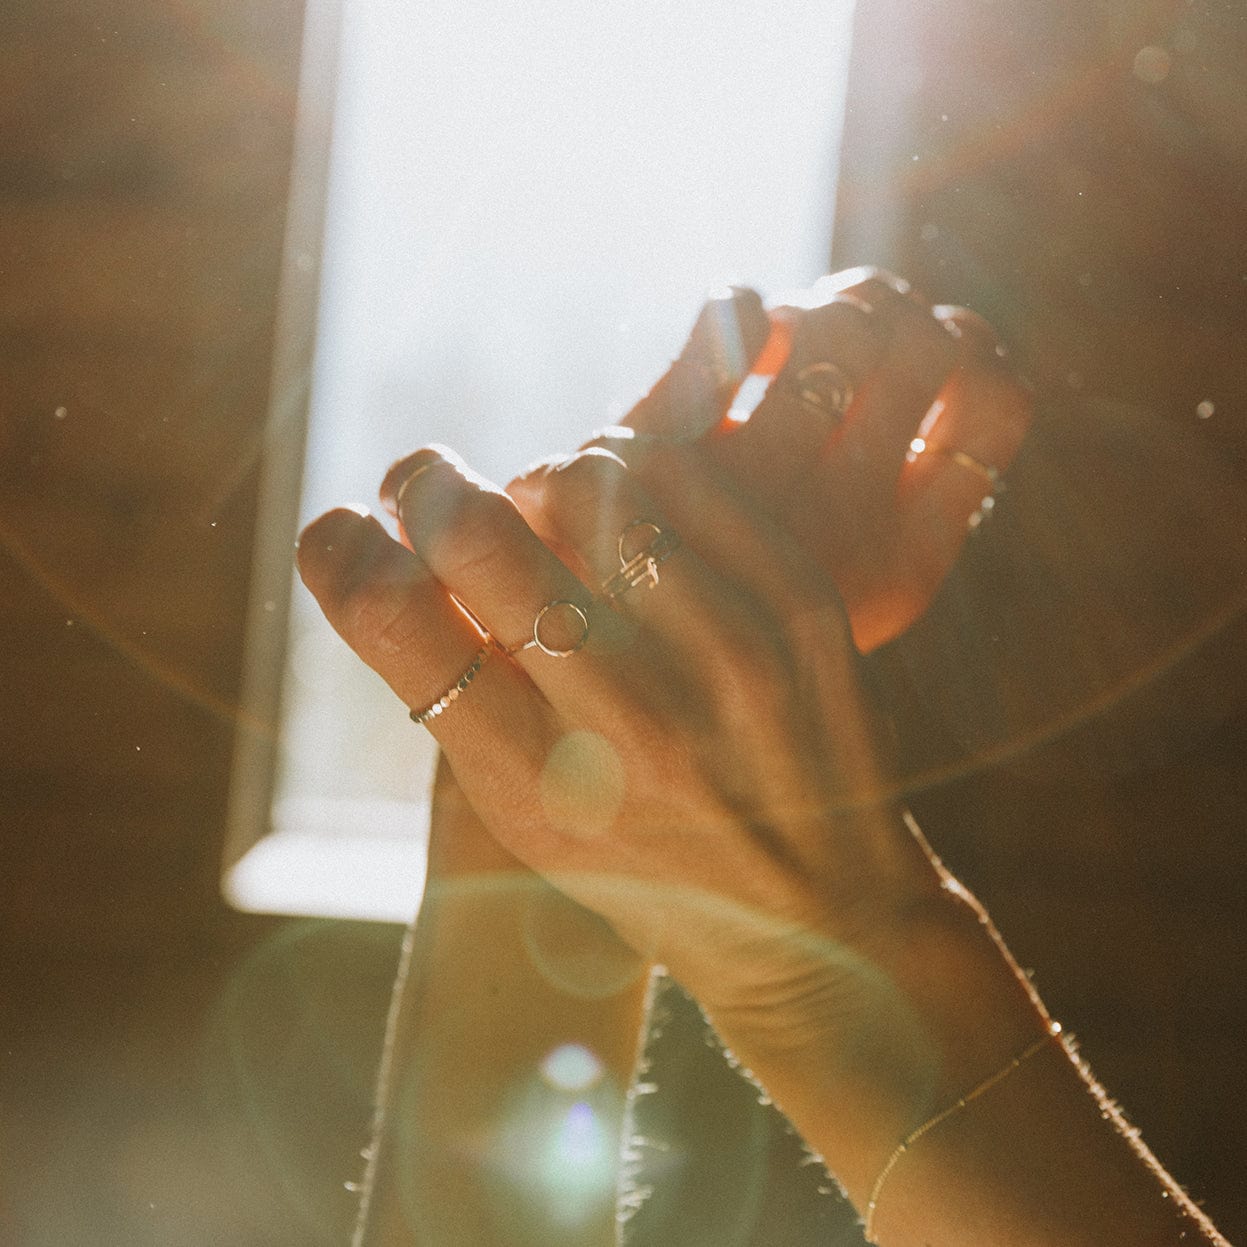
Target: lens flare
<point x="582" y="784"/>
<point x="571" y="1067"/>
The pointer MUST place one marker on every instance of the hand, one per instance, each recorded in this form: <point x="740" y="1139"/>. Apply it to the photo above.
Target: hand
<point x="885" y="523"/>
<point x="705" y="772"/>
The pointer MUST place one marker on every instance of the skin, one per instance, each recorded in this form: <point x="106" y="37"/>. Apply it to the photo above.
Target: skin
<point x="739" y="822"/>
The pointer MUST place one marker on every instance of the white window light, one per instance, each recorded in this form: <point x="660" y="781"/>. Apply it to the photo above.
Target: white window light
<point x="520" y="212"/>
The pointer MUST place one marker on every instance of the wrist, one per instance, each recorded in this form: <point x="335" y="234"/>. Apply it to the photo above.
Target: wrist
<point x="971" y="1004"/>
<point x="901" y="1013"/>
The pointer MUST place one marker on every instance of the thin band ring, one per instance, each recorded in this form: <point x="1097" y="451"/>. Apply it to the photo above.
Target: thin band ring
<point x="409" y="478"/>
<point x="452" y="694"/>
<point x="535" y="641"/>
<point x="995" y="482"/>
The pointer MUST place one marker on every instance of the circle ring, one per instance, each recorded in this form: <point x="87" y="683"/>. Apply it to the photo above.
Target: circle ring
<point x="555" y="651"/>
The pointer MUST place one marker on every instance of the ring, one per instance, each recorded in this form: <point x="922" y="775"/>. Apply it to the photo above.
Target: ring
<point x="640" y="568"/>
<point x="966" y="460"/>
<point x="410" y="477"/>
<point x="825" y="389"/>
<point x="568" y="609"/>
<point x="435" y="708"/>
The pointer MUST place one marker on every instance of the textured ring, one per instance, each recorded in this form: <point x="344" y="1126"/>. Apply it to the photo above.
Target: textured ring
<point x="824" y="388"/>
<point x="535" y="642"/>
<point x="431" y="711"/>
<point x="995" y="482"/>
<point x="640" y="568"/>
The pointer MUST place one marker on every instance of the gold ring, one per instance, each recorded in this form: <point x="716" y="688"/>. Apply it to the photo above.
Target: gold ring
<point x="568" y="609"/>
<point x="641" y="567"/>
<point x="995" y="482"/>
<point x="824" y="388"/>
<point x="433" y="709"/>
<point x="411" y="476"/>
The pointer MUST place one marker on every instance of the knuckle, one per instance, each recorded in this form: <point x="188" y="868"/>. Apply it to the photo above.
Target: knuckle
<point x="666" y="469"/>
<point x="843" y="331"/>
<point x="583" y="487"/>
<point x="752" y="675"/>
<point x="465" y="538"/>
<point x="383" y="620"/>
<point x="380" y="614"/>
<point x="831" y="321"/>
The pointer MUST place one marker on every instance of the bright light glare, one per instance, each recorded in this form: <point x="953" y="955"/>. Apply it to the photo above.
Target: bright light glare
<point x="579" y="1152"/>
<point x="571" y="1067"/>
<point x="527" y="204"/>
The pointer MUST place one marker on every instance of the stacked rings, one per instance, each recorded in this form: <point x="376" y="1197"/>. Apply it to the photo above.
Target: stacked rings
<point x="635" y="568"/>
<point x="640" y="568"/>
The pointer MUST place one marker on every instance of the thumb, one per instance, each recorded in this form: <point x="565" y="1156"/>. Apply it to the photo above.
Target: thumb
<point x="696" y="392"/>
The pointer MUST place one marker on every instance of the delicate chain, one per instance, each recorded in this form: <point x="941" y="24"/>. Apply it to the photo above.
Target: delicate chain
<point x="1054" y="1029"/>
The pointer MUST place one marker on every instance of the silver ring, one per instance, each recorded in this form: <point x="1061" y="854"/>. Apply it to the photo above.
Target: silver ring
<point x="641" y="567"/>
<point x="452" y="694"/>
<point x="824" y="388"/>
<point x="535" y="642"/>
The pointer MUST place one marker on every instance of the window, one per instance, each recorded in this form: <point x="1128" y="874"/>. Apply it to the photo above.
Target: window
<point x="523" y="207"/>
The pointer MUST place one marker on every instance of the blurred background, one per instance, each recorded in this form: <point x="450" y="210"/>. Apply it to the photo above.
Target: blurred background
<point x="196" y="252"/>
<point x="172" y="1072"/>
<point x="220" y="219"/>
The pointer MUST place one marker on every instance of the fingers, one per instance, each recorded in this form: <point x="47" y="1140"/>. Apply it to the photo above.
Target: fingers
<point x="620" y="537"/>
<point x="736" y="580"/>
<point x="956" y="465"/>
<point x="975" y="333"/>
<point x="890" y="403"/>
<point x="474" y="540"/>
<point x="866" y="362"/>
<point x="696" y="393"/>
<point x="834" y="347"/>
<point x="828" y="452"/>
<point x="388" y="607"/>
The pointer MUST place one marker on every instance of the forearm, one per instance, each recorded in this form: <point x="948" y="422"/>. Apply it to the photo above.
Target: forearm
<point x="1039" y="1158"/>
<point x="503" y="972"/>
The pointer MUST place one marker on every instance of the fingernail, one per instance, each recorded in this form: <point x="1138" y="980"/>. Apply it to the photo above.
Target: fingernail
<point x="405" y="468"/>
<point x="334" y="549"/>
